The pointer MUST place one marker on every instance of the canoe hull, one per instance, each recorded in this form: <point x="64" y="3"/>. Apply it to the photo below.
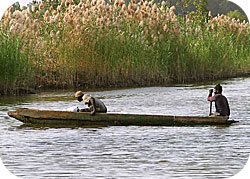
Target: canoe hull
<point x="47" y="117"/>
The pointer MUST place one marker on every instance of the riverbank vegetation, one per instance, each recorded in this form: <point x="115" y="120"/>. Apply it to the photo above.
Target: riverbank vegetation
<point x="89" y="44"/>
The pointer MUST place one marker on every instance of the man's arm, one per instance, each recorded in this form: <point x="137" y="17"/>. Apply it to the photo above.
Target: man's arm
<point x="93" y="106"/>
<point x="210" y="97"/>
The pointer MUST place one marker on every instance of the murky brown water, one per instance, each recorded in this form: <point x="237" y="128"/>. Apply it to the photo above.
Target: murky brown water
<point x="130" y="152"/>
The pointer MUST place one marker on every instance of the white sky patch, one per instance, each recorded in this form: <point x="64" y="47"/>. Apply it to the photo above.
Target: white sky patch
<point x="24" y="2"/>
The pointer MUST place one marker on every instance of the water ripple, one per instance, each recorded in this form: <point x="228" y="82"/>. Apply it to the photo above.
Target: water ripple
<point x="133" y="151"/>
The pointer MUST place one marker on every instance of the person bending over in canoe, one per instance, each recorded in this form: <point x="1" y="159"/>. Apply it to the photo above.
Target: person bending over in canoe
<point x="94" y="104"/>
<point x="221" y="103"/>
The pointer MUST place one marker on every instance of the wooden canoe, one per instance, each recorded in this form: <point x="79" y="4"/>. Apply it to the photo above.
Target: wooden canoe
<point x="64" y="118"/>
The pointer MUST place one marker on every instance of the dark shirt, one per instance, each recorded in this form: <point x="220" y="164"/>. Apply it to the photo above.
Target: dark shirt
<point x="221" y="104"/>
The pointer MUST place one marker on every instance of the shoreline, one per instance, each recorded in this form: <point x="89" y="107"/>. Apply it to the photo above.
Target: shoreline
<point x="86" y="45"/>
<point x="22" y="91"/>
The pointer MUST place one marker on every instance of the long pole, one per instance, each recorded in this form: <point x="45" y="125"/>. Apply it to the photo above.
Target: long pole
<point x="210" y="111"/>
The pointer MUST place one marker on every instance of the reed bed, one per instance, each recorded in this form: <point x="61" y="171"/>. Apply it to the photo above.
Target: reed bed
<point x="14" y="65"/>
<point x="116" y="44"/>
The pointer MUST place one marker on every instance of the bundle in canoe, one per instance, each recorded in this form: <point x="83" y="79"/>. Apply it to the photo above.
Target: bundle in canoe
<point x="49" y="117"/>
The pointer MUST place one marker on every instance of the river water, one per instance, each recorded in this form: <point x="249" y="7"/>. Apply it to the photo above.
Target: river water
<point x="132" y="151"/>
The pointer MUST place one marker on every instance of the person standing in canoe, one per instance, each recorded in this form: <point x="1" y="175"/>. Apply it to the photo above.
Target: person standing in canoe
<point x="221" y="103"/>
<point x="94" y="104"/>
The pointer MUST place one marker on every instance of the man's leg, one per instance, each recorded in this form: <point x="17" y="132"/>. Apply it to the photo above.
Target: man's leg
<point x="85" y="110"/>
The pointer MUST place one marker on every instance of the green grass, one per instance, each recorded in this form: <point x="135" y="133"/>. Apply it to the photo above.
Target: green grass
<point x="14" y="65"/>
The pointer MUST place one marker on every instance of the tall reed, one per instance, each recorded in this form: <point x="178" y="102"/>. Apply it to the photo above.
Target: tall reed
<point x="14" y="65"/>
<point x="114" y="44"/>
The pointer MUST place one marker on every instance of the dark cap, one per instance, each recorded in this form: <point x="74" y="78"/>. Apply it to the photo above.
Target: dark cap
<point x="218" y="88"/>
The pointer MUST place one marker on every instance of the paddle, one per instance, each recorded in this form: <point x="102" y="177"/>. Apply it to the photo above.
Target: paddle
<point x="210" y="94"/>
<point x="210" y="111"/>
